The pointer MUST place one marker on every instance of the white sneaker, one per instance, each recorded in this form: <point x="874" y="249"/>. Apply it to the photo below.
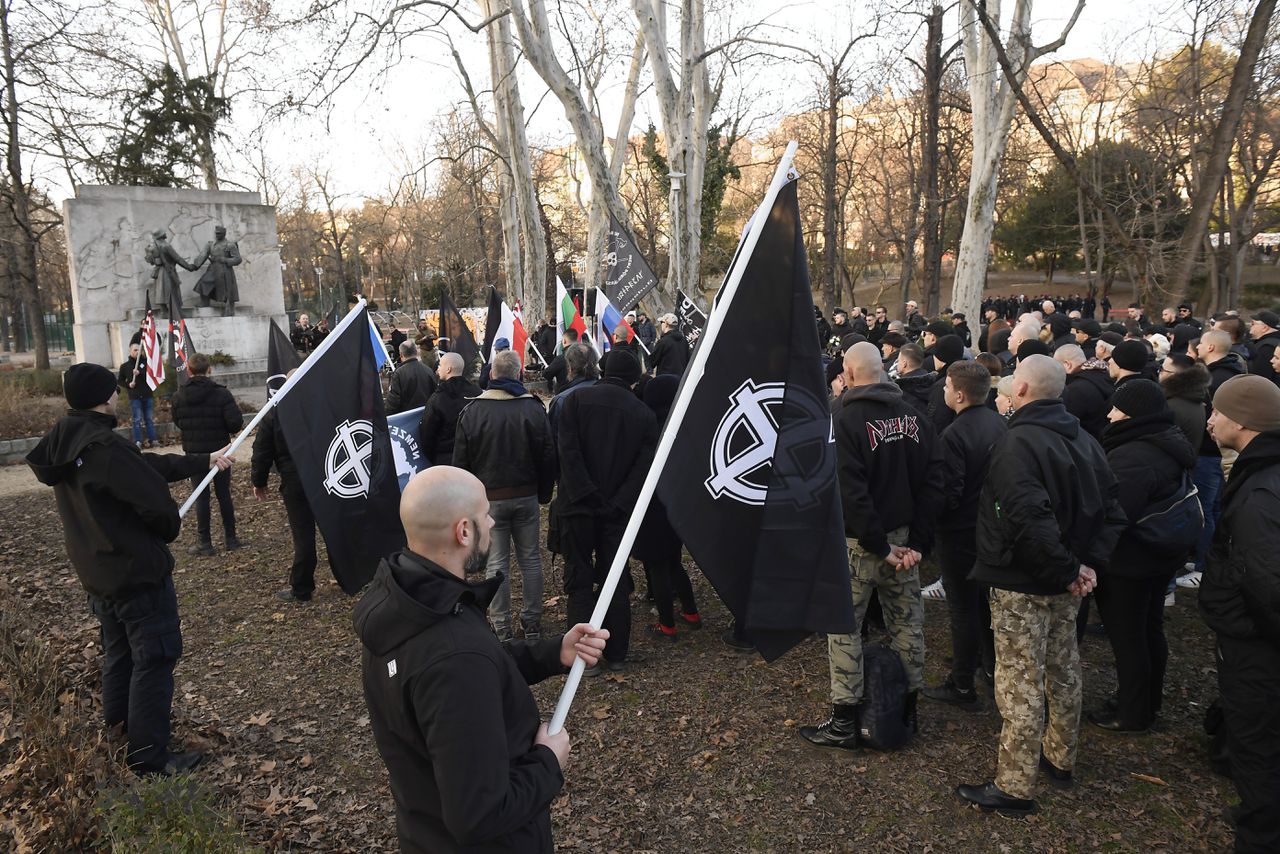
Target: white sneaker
<point x="934" y="592"/>
<point x="1168" y="600"/>
<point x="1190" y="581"/>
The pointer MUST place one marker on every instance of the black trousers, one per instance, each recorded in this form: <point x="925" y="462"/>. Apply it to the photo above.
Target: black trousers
<point x="222" y="487"/>
<point x="668" y="579"/>
<point x="1132" y="609"/>
<point x="972" y="641"/>
<point x="302" y="526"/>
<point x="142" y="639"/>
<point x="1249" y="679"/>
<point x="589" y="544"/>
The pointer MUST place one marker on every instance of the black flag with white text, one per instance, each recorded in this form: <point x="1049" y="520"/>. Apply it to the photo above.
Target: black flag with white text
<point x="627" y="275"/>
<point x="750" y="484"/>
<point x="336" y="429"/>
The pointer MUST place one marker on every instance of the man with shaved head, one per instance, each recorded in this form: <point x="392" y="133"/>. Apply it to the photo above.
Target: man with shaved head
<point x="1048" y="519"/>
<point x="472" y="767"/>
<point x="440" y="417"/>
<point x="891" y="480"/>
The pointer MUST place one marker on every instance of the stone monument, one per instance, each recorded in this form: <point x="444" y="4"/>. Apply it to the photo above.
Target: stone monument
<point x="116" y="255"/>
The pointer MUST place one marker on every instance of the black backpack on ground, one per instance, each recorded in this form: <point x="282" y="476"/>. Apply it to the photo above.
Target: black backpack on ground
<point x="881" y="726"/>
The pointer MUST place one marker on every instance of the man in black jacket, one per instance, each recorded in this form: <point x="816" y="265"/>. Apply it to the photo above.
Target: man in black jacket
<point x="412" y="384"/>
<point x="503" y="438"/>
<point x="1048" y="519"/>
<point x="117" y="517"/>
<point x="207" y="414"/>
<point x="915" y="381"/>
<point x="605" y="437"/>
<point x="270" y="449"/>
<point x="1265" y="331"/>
<point x="1240" y="600"/>
<point x="947" y="350"/>
<point x="439" y="424"/>
<point x="966" y="447"/>
<point x="890" y="470"/>
<point x="472" y="767"/>
<point x="557" y="372"/>
<point x="1087" y="394"/>
<point x="671" y="354"/>
<point x="133" y="378"/>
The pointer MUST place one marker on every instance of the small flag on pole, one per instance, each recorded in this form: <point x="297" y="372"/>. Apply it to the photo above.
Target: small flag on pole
<point x="627" y="275"/>
<point x="692" y="319"/>
<point x="152" y="349"/>
<point x="281" y="358"/>
<point x="404" y="428"/>
<point x="608" y="319"/>
<point x="461" y="341"/>
<point x="503" y="322"/>
<point x="179" y="345"/>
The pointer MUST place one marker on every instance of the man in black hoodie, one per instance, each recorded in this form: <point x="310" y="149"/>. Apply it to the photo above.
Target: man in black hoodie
<point x="1048" y="519"/>
<point x="207" y="415"/>
<point x="948" y="350"/>
<point x="891" y="473"/>
<point x="117" y="517"/>
<point x="472" y="767"/>
<point x="1088" y="391"/>
<point x="671" y="354"/>
<point x="440" y="417"/>
<point x="1240" y="600"/>
<point x="915" y="381"/>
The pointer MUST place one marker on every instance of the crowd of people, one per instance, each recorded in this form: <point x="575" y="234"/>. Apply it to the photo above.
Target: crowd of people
<point x="1055" y="461"/>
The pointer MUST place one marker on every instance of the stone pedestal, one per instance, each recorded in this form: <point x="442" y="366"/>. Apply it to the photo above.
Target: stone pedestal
<point x="108" y="230"/>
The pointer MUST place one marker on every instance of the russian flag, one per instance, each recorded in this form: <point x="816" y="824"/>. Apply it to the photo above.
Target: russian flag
<point x="608" y="319"/>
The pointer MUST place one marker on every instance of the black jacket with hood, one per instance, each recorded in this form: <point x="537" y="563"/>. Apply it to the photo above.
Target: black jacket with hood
<point x="890" y="466"/>
<point x="207" y="414"/>
<point x="1240" y="592"/>
<point x="1087" y="396"/>
<point x="117" y="513"/>
<point x="505" y="441"/>
<point x="1149" y="455"/>
<point x="1049" y="504"/>
<point x="916" y="386"/>
<point x="671" y="354"/>
<point x="452" y="713"/>
<point x="1230" y="365"/>
<point x="1263" y="349"/>
<point x="1187" y="393"/>
<point x="440" y="419"/>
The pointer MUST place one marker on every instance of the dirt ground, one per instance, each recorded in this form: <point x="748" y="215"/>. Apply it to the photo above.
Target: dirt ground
<point x="694" y="749"/>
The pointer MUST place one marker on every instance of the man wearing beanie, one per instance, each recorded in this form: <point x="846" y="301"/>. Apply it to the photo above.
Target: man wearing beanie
<point x="1060" y="325"/>
<point x="605" y="437"/>
<point x="117" y="517"/>
<point x="207" y="414"/>
<point x="1240" y="600"/>
<point x="947" y="349"/>
<point x="1151" y="458"/>
<point x="1128" y="361"/>
<point x="1264" y="328"/>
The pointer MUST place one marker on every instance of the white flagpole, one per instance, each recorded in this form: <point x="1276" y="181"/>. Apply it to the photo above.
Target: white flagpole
<point x="273" y="400"/>
<point x="534" y="347"/>
<point x="678" y="410"/>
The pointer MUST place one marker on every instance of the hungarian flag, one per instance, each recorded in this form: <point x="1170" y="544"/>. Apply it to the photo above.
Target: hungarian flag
<point x="179" y="344"/>
<point x="152" y="349"/>
<point x="281" y="358"/>
<point x="627" y="275"/>
<point x="567" y="314"/>
<point x="503" y="322"/>
<point x="336" y="429"/>
<point x="461" y="341"/>
<point x="750" y="483"/>
<point x="608" y="319"/>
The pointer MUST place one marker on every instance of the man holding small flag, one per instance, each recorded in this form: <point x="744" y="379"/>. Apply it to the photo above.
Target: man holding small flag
<point x="152" y="350"/>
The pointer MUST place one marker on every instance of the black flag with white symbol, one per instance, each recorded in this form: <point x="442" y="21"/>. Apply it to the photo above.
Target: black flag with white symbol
<point x="336" y="430"/>
<point x="281" y="358"/>
<point x="692" y="319"/>
<point x="627" y="275"/>
<point x="751" y="481"/>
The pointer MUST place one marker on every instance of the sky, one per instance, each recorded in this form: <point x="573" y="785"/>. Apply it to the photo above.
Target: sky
<point x="381" y="121"/>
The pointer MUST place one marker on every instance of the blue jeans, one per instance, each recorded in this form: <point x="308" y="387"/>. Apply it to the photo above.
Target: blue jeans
<point x="515" y="519"/>
<point x="1209" y="482"/>
<point x="143" y="410"/>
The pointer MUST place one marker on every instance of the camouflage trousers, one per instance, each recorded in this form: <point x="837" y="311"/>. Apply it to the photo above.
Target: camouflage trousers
<point x="903" y="614"/>
<point x="1036" y="661"/>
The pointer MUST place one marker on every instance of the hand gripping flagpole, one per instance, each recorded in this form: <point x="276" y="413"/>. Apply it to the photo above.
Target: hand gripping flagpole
<point x="273" y="400"/>
<point x="678" y="410"/>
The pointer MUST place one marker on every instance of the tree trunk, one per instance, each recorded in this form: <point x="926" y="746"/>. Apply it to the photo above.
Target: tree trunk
<point x="1084" y="242"/>
<point x="830" y="207"/>
<point x="1220" y="145"/>
<point x="20" y="203"/>
<point x="932" y="284"/>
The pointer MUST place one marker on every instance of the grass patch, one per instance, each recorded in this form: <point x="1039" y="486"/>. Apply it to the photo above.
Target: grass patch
<point x="174" y="815"/>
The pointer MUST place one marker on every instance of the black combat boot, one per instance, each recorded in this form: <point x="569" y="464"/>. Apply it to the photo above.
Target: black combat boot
<point x="910" y="717"/>
<point x="839" y="731"/>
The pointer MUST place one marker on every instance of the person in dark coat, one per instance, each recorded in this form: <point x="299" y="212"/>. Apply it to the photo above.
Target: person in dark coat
<point x="915" y="381"/>
<point x="1060" y="327"/>
<point x="1151" y="458"/>
<point x="556" y="373"/>
<point x="606" y="439"/>
<point x="947" y="350"/>
<point x="671" y="354"/>
<point x="412" y="384"/>
<point x="300" y="334"/>
<point x="472" y="766"/>
<point x="1240" y="600"/>
<point x="1265" y="331"/>
<point x="962" y="328"/>
<point x="270" y="449"/>
<point x="142" y="405"/>
<point x="440" y="417"/>
<point x="1186" y="388"/>
<point x="1087" y="394"/>
<point x="824" y="328"/>
<point x="207" y="414"/>
<point x="966" y="447"/>
<point x="658" y="546"/>
<point x="117" y="520"/>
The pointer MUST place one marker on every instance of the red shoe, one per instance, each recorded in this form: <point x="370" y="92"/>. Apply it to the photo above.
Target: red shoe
<point x="663" y="632"/>
<point x="693" y="621"/>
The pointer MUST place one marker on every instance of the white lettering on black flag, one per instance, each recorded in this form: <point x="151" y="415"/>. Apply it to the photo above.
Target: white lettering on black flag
<point x="750" y="484"/>
<point x="692" y="319"/>
<point x="627" y="275"/>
